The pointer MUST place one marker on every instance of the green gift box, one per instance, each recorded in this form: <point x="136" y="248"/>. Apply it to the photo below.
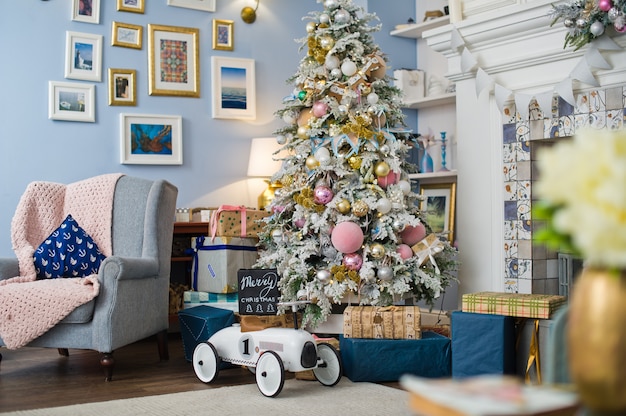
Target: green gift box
<point x="522" y="305"/>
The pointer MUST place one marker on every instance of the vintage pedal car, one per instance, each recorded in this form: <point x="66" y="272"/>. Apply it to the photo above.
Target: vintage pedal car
<point x="268" y="353"/>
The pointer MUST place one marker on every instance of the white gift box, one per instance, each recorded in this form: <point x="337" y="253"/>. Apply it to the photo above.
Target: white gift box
<point x="216" y="262"/>
<point x="410" y="82"/>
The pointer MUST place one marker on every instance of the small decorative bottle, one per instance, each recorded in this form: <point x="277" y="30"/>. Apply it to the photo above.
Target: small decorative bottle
<point x="443" y="153"/>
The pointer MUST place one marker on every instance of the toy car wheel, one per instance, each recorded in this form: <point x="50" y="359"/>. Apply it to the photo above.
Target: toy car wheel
<point x="330" y="370"/>
<point x="206" y="362"/>
<point x="270" y="374"/>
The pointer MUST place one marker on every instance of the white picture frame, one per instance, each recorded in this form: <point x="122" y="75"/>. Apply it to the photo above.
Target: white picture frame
<point x="83" y="56"/>
<point x="233" y="85"/>
<point x="71" y="101"/>
<point x="151" y="139"/>
<point x="87" y="11"/>
<point x="204" y="5"/>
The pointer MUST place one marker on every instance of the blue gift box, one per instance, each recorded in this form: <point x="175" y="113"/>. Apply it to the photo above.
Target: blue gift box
<point x="199" y="323"/>
<point x="377" y="360"/>
<point x="482" y="344"/>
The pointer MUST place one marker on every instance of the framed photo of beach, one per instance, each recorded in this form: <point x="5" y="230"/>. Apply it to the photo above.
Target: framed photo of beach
<point x="87" y="11"/>
<point x="151" y="139"/>
<point x="233" y="82"/>
<point x="71" y="101"/>
<point x="174" y="61"/>
<point x="83" y="56"/>
<point x="438" y="208"/>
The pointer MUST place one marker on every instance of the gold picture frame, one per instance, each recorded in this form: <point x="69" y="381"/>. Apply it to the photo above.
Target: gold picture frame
<point x="122" y="87"/>
<point x="223" y="35"/>
<point x="438" y="208"/>
<point x="133" y="6"/>
<point x="183" y="78"/>
<point x="126" y="35"/>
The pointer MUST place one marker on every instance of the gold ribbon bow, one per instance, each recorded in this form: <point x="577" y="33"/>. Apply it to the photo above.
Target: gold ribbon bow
<point x="427" y="249"/>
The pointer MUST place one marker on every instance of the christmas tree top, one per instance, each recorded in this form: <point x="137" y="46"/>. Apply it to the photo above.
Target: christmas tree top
<point x="345" y="226"/>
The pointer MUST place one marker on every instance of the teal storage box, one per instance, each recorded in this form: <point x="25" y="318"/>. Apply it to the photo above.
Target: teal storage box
<point x="482" y="344"/>
<point x="378" y="360"/>
<point x="199" y="323"/>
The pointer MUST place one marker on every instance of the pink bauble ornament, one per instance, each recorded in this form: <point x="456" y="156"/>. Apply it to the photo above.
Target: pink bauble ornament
<point x="320" y="109"/>
<point x="385" y="181"/>
<point x="299" y="222"/>
<point x="605" y="5"/>
<point x="413" y="234"/>
<point x="404" y="251"/>
<point x="322" y="194"/>
<point x="352" y="261"/>
<point x="347" y="237"/>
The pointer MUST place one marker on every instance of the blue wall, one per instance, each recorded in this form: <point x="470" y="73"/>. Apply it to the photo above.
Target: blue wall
<point x="215" y="154"/>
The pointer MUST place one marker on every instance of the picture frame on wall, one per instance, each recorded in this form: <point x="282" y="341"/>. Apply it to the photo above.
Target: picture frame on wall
<point x="151" y="139"/>
<point x="223" y="35"/>
<point x="87" y="11"/>
<point x="71" y="101"/>
<point x="133" y="6"/>
<point x="122" y="87"/>
<point x="204" y="5"/>
<point x="438" y="208"/>
<point x="126" y="35"/>
<point x="83" y="56"/>
<point x="165" y="43"/>
<point x="233" y="85"/>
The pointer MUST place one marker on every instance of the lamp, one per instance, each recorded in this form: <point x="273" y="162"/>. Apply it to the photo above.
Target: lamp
<point x="248" y="14"/>
<point x="262" y="165"/>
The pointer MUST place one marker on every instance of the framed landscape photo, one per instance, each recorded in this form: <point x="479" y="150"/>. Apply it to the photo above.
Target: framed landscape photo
<point x="204" y="5"/>
<point x="133" y="6"/>
<point x="233" y="83"/>
<point x="71" y="101"/>
<point x="223" y="35"/>
<point x="87" y="11"/>
<point x="122" y="87"/>
<point x="83" y="56"/>
<point x="150" y="139"/>
<point x="174" y="64"/>
<point x="438" y="208"/>
<point x="126" y="35"/>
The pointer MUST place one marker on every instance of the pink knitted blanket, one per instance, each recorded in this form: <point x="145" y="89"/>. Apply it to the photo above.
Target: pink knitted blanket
<point x="30" y="307"/>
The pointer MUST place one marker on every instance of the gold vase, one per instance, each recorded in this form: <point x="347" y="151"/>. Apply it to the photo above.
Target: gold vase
<point x="597" y="340"/>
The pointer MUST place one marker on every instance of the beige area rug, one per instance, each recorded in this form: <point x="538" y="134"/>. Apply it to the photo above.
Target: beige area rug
<point x="298" y="397"/>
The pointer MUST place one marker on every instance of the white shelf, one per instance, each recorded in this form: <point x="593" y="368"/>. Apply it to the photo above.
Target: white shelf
<point x="449" y="98"/>
<point x="415" y="30"/>
<point x="449" y="174"/>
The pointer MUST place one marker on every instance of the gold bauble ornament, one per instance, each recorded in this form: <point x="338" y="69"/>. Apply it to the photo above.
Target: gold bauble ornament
<point x="355" y="162"/>
<point x="312" y="162"/>
<point x="310" y="27"/>
<point x="343" y="206"/>
<point x="303" y="133"/>
<point x="381" y="169"/>
<point x="286" y="180"/>
<point x="377" y="250"/>
<point x="360" y="208"/>
<point x="304" y="117"/>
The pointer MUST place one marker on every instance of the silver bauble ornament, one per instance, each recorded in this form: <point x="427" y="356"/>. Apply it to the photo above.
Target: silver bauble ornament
<point x="581" y="23"/>
<point x="342" y="16"/>
<point x="613" y="14"/>
<point x="385" y="273"/>
<point x="277" y="235"/>
<point x="323" y="276"/>
<point x="324" y="18"/>
<point x="372" y="98"/>
<point x="336" y="73"/>
<point x="330" y="4"/>
<point x="597" y="28"/>
<point x="384" y="149"/>
<point x="568" y="23"/>
<point x="398" y="226"/>
<point x="281" y="139"/>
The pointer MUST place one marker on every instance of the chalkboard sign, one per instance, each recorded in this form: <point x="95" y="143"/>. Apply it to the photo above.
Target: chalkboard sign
<point x="258" y="291"/>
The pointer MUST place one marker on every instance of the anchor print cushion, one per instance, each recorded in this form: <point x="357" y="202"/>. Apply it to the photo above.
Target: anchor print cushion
<point x="68" y="252"/>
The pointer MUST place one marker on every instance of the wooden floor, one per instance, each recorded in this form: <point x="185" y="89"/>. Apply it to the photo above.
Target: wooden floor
<point x="33" y="378"/>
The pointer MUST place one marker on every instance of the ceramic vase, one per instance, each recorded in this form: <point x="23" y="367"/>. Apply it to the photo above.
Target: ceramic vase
<point x="597" y="340"/>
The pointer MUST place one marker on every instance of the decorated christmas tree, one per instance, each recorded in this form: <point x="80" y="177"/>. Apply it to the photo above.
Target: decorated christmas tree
<point x="346" y="225"/>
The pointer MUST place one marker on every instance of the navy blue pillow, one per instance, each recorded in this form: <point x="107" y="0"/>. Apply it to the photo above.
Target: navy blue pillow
<point x="68" y="252"/>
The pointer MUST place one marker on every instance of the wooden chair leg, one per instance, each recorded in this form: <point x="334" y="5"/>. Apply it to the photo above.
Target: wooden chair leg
<point x="107" y="362"/>
<point x="164" y="354"/>
<point x="64" y="352"/>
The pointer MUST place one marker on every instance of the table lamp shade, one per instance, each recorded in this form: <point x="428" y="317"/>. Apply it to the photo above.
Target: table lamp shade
<point x="261" y="162"/>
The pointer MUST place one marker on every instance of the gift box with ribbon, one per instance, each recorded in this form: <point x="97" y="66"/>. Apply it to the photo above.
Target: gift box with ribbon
<point x="236" y="221"/>
<point x="389" y="322"/>
<point x="427" y="248"/>
<point x="523" y="305"/>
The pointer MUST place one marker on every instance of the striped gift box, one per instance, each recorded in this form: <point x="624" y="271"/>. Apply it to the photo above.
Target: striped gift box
<point x="512" y="304"/>
<point x="390" y="322"/>
<point x="207" y="298"/>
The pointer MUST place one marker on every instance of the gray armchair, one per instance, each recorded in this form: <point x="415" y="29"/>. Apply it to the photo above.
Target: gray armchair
<point x="134" y="282"/>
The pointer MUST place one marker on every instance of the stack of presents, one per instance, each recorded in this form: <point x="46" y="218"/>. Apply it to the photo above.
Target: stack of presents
<point x="493" y="333"/>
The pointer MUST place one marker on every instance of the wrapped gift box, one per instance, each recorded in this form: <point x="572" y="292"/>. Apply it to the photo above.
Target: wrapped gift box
<point x="236" y="221"/>
<point x="198" y="324"/>
<point x="382" y="360"/>
<point x="482" y="344"/>
<point x="218" y="300"/>
<point x="216" y="263"/>
<point x="390" y="322"/>
<point x="513" y="304"/>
